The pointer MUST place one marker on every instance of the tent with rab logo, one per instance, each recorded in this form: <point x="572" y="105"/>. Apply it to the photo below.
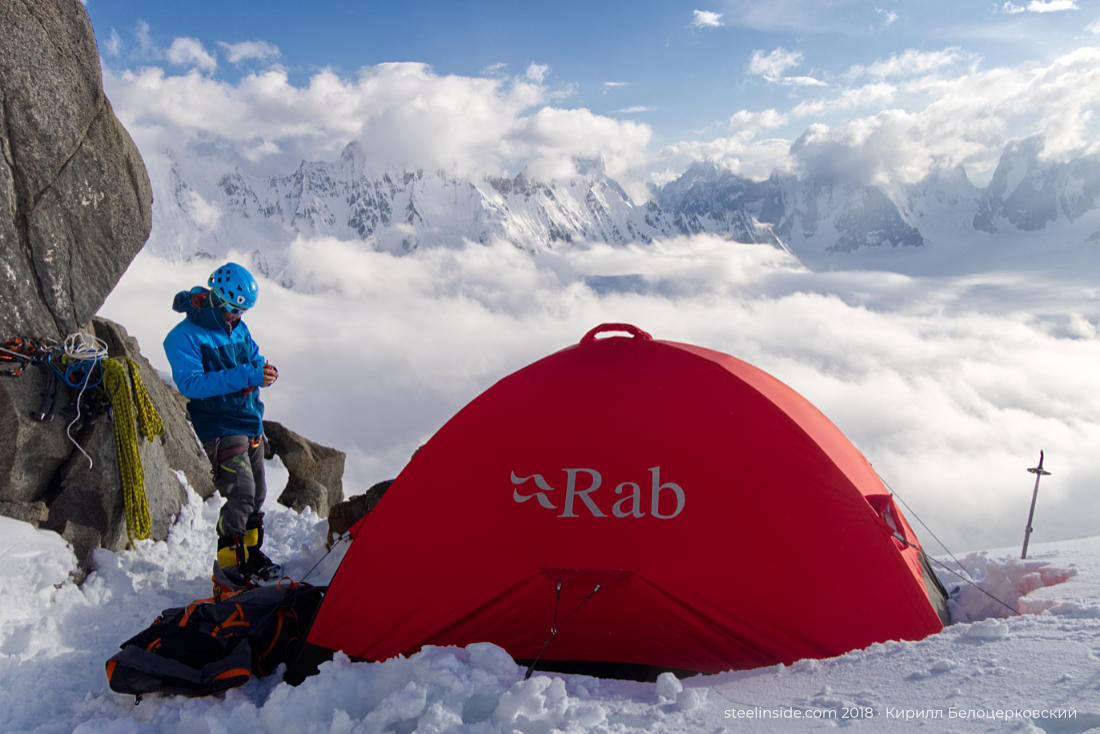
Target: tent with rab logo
<point x="634" y="502"/>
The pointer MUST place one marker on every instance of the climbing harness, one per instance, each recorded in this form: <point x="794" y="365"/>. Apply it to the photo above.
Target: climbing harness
<point x="132" y="411"/>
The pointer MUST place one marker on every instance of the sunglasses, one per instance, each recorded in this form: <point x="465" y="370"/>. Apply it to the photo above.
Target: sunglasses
<point x="217" y="301"/>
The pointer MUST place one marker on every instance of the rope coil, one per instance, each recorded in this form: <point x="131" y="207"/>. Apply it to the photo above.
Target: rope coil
<point x="84" y="353"/>
<point x="132" y="410"/>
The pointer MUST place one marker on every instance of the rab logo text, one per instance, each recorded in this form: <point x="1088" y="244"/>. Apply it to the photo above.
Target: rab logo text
<point x="667" y="496"/>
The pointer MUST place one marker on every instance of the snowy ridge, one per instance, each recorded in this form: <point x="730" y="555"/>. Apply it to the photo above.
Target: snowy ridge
<point x="202" y="208"/>
<point x="1037" y="671"/>
<point x="392" y="211"/>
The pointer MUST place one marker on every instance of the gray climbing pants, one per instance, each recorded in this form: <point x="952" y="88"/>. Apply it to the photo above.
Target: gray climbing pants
<point x="238" y="464"/>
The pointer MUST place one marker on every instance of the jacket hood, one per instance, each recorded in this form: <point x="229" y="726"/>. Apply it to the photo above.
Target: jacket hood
<point x="193" y="303"/>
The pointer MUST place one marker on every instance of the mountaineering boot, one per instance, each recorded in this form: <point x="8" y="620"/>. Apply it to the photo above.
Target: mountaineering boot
<point x="258" y="566"/>
<point x="261" y="568"/>
<point x="229" y="573"/>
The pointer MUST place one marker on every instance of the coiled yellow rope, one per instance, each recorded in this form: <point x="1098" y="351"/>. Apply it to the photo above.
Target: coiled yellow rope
<point x="149" y="420"/>
<point x="128" y="396"/>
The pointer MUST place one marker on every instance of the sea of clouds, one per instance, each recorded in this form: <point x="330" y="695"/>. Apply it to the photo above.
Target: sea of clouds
<point x="949" y="384"/>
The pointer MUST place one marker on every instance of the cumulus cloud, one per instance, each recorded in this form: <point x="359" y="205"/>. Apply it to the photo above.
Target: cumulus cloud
<point x="537" y="73"/>
<point x="859" y="154"/>
<point x="191" y="52"/>
<point x="1040" y="6"/>
<point x="867" y="96"/>
<point x="945" y="383"/>
<point x="800" y="81"/>
<point x="751" y="122"/>
<point x="403" y="115"/>
<point x="909" y="63"/>
<point x="754" y="159"/>
<point x="894" y="119"/>
<point x="772" y="66"/>
<point x="558" y="136"/>
<point x="744" y="152"/>
<point x="249" y="50"/>
<point x="934" y="120"/>
<point x="902" y="117"/>
<point x="706" y="19"/>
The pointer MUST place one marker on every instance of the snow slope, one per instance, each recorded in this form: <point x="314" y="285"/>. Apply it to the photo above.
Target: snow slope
<point x="998" y="671"/>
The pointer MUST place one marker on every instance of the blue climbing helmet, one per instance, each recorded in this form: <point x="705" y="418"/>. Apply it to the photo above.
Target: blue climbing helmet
<point x="234" y="287"/>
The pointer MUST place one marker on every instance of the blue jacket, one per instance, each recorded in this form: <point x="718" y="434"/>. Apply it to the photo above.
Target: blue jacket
<point x="217" y="368"/>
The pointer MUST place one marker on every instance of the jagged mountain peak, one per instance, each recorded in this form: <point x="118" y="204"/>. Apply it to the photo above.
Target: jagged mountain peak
<point x="1028" y="193"/>
<point x="353" y="151"/>
<point x="399" y="210"/>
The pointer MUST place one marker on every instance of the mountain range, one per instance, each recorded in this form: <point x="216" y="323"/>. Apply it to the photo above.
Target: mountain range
<point x="210" y="213"/>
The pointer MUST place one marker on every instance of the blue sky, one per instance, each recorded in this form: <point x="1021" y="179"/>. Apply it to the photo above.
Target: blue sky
<point x="738" y="82"/>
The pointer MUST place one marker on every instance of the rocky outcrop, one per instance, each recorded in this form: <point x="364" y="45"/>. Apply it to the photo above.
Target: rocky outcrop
<point x="75" y="201"/>
<point x="32" y="452"/>
<point x="75" y="208"/>
<point x="344" y="515"/>
<point x="316" y="471"/>
<point x="45" y="479"/>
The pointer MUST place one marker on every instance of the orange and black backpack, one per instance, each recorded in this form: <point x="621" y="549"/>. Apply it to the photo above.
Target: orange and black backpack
<point x="210" y="646"/>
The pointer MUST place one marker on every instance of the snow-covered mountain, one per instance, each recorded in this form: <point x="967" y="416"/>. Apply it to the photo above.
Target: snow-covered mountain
<point x="1030" y="195"/>
<point x="814" y="215"/>
<point x="803" y="213"/>
<point x="394" y="211"/>
<point x="203" y="210"/>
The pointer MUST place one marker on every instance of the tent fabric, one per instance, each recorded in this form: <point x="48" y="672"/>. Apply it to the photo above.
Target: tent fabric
<point x="656" y="503"/>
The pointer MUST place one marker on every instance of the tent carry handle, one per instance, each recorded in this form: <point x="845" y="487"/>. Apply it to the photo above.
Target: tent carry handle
<point x="628" y="328"/>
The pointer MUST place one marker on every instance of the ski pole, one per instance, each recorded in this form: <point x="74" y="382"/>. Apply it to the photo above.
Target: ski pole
<point x="1039" y="473"/>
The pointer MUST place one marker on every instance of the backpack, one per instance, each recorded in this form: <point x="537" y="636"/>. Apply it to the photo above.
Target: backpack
<point x="210" y="646"/>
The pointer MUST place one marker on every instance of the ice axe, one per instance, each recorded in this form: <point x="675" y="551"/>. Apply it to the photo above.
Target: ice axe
<point x="1039" y="473"/>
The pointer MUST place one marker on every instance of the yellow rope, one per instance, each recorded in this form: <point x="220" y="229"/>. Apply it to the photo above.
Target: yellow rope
<point x="127" y="397"/>
<point x="148" y="418"/>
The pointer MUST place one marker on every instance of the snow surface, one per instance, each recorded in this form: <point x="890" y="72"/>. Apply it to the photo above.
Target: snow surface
<point x="1038" y="671"/>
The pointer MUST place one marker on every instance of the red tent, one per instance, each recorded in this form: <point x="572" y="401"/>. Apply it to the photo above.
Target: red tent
<point x="656" y="503"/>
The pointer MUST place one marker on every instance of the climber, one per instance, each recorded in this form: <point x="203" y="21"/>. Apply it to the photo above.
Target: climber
<point x="216" y="364"/>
